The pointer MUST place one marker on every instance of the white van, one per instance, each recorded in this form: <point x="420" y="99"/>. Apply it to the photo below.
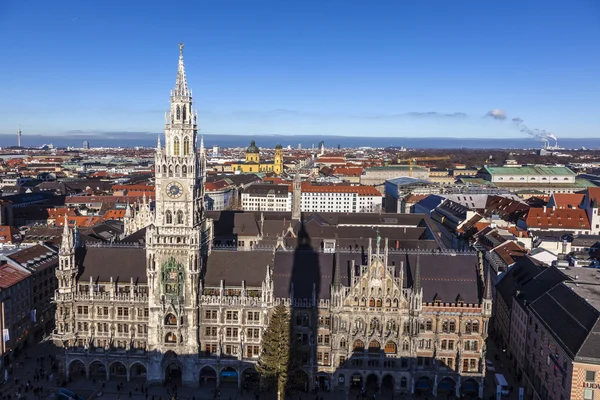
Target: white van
<point x="502" y="384"/>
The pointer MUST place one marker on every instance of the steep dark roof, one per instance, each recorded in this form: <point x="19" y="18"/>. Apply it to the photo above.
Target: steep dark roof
<point x="568" y="318"/>
<point x="525" y="269"/>
<point x="120" y="263"/>
<point x="233" y="267"/>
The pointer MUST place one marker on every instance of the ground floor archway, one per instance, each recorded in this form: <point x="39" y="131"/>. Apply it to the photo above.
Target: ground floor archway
<point x="97" y="370"/>
<point x="322" y="381"/>
<point x="356" y="381"/>
<point x="229" y="377"/>
<point x="118" y="370"/>
<point x="372" y="384"/>
<point x="423" y="385"/>
<point x="387" y="384"/>
<point x="299" y="381"/>
<point x="250" y="380"/>
<point x="469" y="387"/>
<point x="173" y="374"/>
<point x="137" y="371"/>
<point x="77" y="369"/>
<point x="208" y="377"/>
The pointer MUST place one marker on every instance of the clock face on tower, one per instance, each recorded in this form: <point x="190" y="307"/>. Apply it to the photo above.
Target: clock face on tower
<point x="174" y="190"/>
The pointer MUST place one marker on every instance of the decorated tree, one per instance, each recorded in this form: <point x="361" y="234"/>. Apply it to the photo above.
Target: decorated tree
<point x="274" y="362"/>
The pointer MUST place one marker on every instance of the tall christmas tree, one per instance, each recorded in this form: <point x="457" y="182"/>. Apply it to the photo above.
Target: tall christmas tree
<point x="274" y="361"/>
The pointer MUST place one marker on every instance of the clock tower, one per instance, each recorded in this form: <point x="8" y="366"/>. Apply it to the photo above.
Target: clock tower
<point x="173" y="242"/>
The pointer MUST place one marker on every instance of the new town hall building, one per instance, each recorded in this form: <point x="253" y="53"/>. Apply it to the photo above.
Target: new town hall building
<point x="376" y="300"/>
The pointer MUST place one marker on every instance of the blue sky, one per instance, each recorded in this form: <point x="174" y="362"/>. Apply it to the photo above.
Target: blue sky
<point x="362" y="68"/>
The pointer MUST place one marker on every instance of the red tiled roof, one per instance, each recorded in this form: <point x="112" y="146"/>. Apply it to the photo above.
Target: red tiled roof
<point x="509" y="251"/>
<point x="8" y="234"/>
<point x="566" y="218"/>
<point x="10" y="276"/>
<point x="348" y="171"/>
<point x="415" y="198"/>
<point x="594" y="194"/>
<point x="137" y="187"/>
<point x="217" y="185"/>
<point x="567" y="200"/>
<point x="114" y="214"/>
<point x="82" y="221"/>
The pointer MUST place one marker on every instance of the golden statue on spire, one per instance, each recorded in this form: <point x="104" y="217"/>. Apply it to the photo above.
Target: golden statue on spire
<point x="181" y="49"/>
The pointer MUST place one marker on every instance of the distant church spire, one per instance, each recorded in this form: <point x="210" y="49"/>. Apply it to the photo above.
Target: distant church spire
<point x="181" y="88"/>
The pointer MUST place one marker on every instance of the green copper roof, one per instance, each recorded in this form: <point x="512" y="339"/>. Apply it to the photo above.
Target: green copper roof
<point x="529" y="170"/>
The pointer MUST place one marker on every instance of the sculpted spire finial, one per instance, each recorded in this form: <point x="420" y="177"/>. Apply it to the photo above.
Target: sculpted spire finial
<point x="180" y="49"/>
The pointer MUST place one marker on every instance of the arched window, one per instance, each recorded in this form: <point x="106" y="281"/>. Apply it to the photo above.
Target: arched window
<point x="429" y="325"/>
<point x="170" y="170"/>
<point x="343" y="344"/>
<point x="395" y="302"/>
<point x="475" y="326"/>
<point x="170" y="319"/>
<point x="176" y="150"/>
<point x="374" y="326"/>
<point x="358" y="324"/>
<point x="358" y="346"/>
<point x="371" y="302"/>
<point x="374" y="346"/>
<point x="445" y="326"/>
<point x="390" y="348"/>
<point x="176" y="170"/>
<point x="177" y="113"/>
<point x="184" y="109"/>
<point x="403" y="382"/>
<point x="180" y="217"/>
<point x="378" y="303"/>
<point x="171" y="338"/>
<point x="168" y="217"/>
<point x="356" y="300"/>
<point x="468" y="327"/>
<point x="186" y="146"/>
<point x="184" y="171"/>
<point x="164" y="169"/>
<point x="388" y="302"/>
<point x="405" y="345"/>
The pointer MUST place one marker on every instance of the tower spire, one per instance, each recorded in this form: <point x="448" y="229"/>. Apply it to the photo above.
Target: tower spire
<point x="19" y="135"/>
<point x="181" y="88"/>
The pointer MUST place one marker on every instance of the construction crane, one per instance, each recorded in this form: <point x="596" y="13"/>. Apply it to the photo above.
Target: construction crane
<point x="412" y="160"/>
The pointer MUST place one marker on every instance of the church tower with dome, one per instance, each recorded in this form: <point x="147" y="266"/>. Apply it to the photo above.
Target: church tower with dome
<point x="253" y="163"/>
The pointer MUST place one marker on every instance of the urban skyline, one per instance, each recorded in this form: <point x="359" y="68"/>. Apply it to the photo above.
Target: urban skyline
<point x="299" y="69"/>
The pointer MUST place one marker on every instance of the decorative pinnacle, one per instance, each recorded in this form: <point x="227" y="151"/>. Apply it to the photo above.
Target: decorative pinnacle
<point x="180" y="49"/>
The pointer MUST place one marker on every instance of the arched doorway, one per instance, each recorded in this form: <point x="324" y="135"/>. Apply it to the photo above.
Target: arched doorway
<point x="403" y="384"/>
<point x="470" y="388"/>
<point x="356" y="381"/>
<point x="118" y="370"/>
<point x="423" y="385"/>
<point x="138" y="372"/>
<point x="299" y="381"/>
<point x="372" y="385"/>
<point x="446" y="386"/>
<point x="229" y="377"/>
<point x="173" y="374"/>
<point x="322" y="381"/>
<point x="387" y="384"/>
<point x="97" y="370"/>
<point x="250" y="380"/>
<point x="76" y="369"/>
<point x="208" y="377"/>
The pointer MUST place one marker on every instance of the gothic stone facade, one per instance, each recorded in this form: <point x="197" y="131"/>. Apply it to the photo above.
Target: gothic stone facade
<point x="182" y="308"/>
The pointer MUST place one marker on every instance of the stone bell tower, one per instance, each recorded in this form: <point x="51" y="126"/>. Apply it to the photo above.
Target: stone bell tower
<point x="173" y="243"/>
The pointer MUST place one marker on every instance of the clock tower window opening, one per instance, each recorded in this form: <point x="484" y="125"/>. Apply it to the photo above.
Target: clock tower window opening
<point x="180" y="217"/>
<point x="186" y="146"/>
<point x="176" y="147"/>
<point x="168" y="217"/>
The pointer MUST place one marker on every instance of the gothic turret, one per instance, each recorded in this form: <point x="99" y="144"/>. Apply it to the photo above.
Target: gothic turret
<point x="297" y="197"/>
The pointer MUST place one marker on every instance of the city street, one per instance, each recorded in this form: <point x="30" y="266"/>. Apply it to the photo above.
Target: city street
<point x="28" y="366"/>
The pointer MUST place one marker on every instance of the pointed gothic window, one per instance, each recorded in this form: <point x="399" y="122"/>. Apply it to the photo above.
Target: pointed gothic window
<point x="168" y="217"/>
<point x="176" y="170"/>
<point x="164" y="169"/>
<point x="180" y="217"/>
<point x="170" y="319"/>
<point x="358" y="346"/>
<point x="176" y="147"/>
<point x="184" y="171"/>
<point x="390" y="347"/>
<point x="170" y="170"/>
<point x="186" y="146"/>
<point x="178" y="112"/>
<point x="171" y="338"/>
<point x="184" y="109"/>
